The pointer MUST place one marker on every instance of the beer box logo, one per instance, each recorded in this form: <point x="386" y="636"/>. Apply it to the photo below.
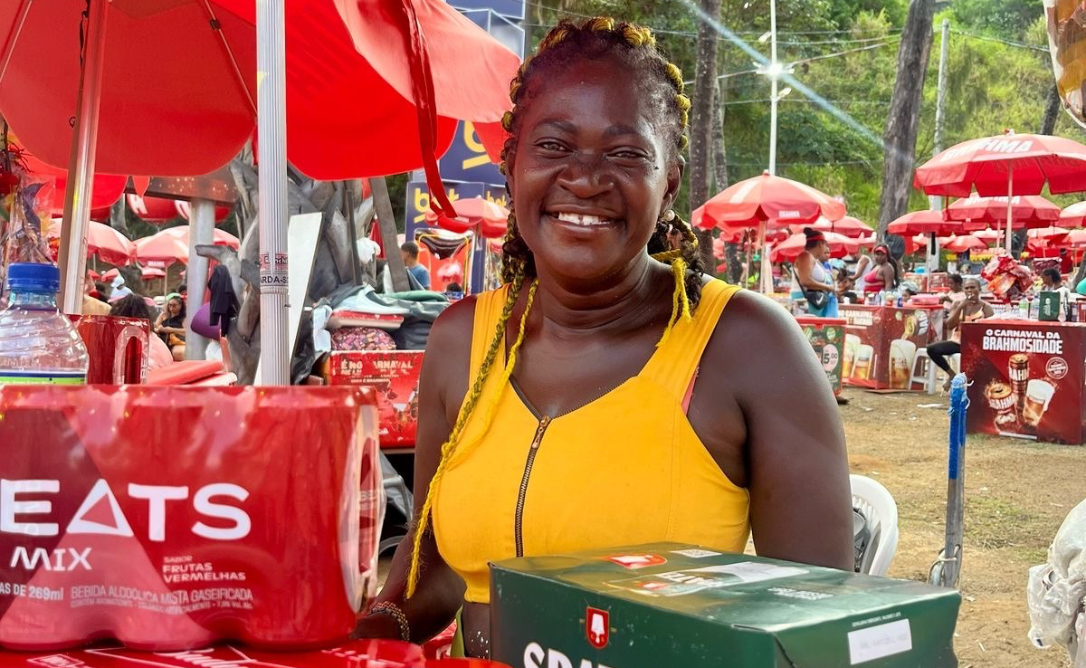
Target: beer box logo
<point x="212" y="657"/>
<point x="597" y="625"/>
<point x="636" y="561"/>
<point x="830" y="358"/>
<point x="1056" y="368"/>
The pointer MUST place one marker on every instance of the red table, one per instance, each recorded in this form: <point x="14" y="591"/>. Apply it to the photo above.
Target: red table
<point x="881" y="343"/>
<point x="1027" y="379"/>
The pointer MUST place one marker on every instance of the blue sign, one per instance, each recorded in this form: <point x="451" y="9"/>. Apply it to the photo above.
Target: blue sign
<point x="467" y="160"/>
<point x="505" y="30"/>
<point x="511" y="8"/>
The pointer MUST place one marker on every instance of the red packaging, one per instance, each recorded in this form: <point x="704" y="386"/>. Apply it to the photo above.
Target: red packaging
<point x="171" y="518"/>
<point x="357" y="654"/>
<point x="881" y="343"/>
<point x="119" y="348"/>
<point x="395" y="376"/>
<point x="1026" y="379"/>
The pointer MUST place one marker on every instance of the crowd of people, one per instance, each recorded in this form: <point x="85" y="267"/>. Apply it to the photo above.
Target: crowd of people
<point x="166" y="322"/>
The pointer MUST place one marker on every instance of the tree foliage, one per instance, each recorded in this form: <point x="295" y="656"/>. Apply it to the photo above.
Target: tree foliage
<point x="836" y="146"/>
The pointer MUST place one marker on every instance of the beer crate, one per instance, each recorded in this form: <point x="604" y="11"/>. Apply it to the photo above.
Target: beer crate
<point x="669" y="605"/>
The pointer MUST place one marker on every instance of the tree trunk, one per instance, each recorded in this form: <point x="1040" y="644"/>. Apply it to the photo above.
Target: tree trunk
<point x="701" y="114"/>
<point x="387" y="221"/>
<point x="720" y="149"/>
<point x="904" y="116"/>
<point x="1052" y="111"/>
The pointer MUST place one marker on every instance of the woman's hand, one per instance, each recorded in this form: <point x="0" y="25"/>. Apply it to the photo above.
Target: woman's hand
<point x="377" y="626"/>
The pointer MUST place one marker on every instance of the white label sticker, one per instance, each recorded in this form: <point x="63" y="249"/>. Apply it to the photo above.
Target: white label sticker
<point x="696" y="554"/>
<point x="879" y="641"/>
<point x="748" y="571"/>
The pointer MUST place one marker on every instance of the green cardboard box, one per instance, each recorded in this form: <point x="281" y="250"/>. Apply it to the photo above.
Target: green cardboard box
<point x="668" y="605"/>
<point x="1048" y="308"/>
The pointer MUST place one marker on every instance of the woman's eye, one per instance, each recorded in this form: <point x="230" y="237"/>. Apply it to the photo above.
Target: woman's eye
<point x="628" y="155"/>
<point x="551" y="146"/>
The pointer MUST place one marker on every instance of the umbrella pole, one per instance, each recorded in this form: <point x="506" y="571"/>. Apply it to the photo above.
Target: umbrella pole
<point x="745" y="282"/>
<point x="764" y="264"/>
<point x="73" y="252"/>
<point x="274" y="366"/>
<point x="201" y="231"/>
<point x="1010" y="206"/>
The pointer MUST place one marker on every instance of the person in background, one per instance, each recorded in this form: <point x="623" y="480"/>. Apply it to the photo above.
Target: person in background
<point x="454" y="287"/>
<point x="846" y="289"/>
<point x="956" y="293"/>
<point x="809" y="273"/>
<point x="1051" y="279"/>
<point x="863" y="265"/>
<point x="118" y="289"/>
<point x="885" y="275"/>
<point x="970" y="309"/>
<point x="909" y="290"/>
<point x="92" y="305"/>
<point x="134" y="306"/>
<point x="170" y="325"/>
<point x="1067" y="263"/>
<point x="410" y="252"/>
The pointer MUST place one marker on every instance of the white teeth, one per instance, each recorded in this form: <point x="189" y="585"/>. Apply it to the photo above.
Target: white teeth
<point x="578" y="219"/>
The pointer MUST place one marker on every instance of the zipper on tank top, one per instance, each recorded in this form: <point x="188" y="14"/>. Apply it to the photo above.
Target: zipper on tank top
<point x="518" y="521"/>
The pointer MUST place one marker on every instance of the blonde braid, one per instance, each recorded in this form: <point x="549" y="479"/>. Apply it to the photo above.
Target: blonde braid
<point x="449" y="446"/>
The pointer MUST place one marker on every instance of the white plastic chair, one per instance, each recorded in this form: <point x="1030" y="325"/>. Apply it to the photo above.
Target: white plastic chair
<point x="880" y="510"/>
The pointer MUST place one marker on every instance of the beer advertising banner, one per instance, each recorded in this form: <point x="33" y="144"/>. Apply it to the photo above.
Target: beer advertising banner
<point x="395" y="376"/>
<point x="881" y="343"/>
<point x="1026" y="379"/>
<point x="827" y="337"/>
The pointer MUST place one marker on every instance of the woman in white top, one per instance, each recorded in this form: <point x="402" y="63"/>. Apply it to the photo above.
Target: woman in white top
<point x="809" y="273"/>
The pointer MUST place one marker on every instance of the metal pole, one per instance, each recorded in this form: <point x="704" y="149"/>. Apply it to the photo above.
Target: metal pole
<point x="773" y="73"/>
<point x="73" y="231"/>
<point x="272" y="203"/>
<point x="201" y="231"/>
<point x="940" y="121"/>
<point x="1010" y="204"/>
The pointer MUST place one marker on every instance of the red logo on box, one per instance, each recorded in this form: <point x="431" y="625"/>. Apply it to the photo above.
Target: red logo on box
<point x="635" y="561"/>
<point x="597" y="627"/>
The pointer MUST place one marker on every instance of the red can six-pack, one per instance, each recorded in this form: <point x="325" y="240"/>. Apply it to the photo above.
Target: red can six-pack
<point x="173" y="518"/>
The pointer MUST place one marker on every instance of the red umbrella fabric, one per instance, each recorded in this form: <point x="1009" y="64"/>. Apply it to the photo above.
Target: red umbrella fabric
<point x="1048" y="234"/>
<point x="790" y="248"/>
<point x="1075" y="239"/>
<point x="990" y="236"/>
<point x="351" y="92"/>
<point x="1073" y="216"/>
<point x="172" y="245"/>
<point x="490" y="218"/>
<point x="107" y="243"/>
<point x="923" y="222"/>
<point x="1026" y="210"/>
<point x="984" y="164"/>
<point x="146" y="273"/>
<point x="965" y="242"/>
<point x="774" y="199"/>
<point x="848" y="226"/>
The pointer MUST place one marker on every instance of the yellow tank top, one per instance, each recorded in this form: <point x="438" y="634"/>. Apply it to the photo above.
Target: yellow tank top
<point x="624" y="469"/>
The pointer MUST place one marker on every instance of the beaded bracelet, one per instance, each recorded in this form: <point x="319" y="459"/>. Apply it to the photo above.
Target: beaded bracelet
<point x="393" y="611"/>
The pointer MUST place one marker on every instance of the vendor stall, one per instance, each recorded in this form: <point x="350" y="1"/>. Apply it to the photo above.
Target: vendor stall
<point x="1027" y="379"/>
<point x="827" y="338"/>
<point x="881" y="343"/>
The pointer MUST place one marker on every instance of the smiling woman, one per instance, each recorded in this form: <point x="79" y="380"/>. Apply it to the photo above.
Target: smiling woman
<point x="633" y="399"/>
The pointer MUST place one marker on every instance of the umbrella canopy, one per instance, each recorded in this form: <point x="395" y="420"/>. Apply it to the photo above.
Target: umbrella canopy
<point x="146" y="273"/>
<point x="1075" y="239"/>
<point x="172" y="245"/>
<point x="107" y="243"/>
<point x="1049" y="234"/>
<point x="923" y="222"/>
<point x="790" y="248"/>
<point x="1073" y="216"/>
<point x="490" y="218"/>
<point x="848" y="226"/>
<point x="965" y="242"/>
<point x="1025" y="210"/>
<point x="774" y="200"/>
<point x="350" y="83"/>
<point x="1027" y="161"/>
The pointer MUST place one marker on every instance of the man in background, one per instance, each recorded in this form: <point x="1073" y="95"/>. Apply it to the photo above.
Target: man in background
<point x="410" y="253"/>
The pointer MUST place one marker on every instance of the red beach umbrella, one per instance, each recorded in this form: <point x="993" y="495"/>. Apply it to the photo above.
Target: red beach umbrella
<point x="923" y="222"/>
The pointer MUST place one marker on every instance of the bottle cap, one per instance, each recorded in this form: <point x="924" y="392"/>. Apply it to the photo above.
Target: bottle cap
<point x="33" y="277"/>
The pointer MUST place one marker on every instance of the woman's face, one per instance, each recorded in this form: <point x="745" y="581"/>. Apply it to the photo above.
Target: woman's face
<point x="592" y="170"/>
<point x="972" y="291"/>
<point x="880" y="258"/>
<point x="822" y="251"/>
<point x="173" y="307"/>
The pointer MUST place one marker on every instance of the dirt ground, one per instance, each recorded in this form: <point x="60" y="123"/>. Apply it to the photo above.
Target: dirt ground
<point x="1017" y="495"/>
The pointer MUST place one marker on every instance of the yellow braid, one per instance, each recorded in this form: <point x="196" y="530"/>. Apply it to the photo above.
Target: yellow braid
<point x="449" y="446"/>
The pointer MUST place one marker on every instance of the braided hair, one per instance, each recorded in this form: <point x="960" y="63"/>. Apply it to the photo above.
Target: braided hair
<point x="566" y="42"/>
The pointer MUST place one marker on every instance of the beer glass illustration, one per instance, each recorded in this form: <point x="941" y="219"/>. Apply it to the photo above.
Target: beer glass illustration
<point x="852" y="343"/>
<point x="1039" y="395"/>
<point x="902" y="354"/>
<point x="865" y="359"/>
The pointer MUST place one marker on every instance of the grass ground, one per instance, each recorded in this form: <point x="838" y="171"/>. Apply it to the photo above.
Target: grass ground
<point x="1017" y="495"/>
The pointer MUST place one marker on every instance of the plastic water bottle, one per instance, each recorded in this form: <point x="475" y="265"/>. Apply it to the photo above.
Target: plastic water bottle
<point x="1023" y="308"/>
<point x="38" y="344"/>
